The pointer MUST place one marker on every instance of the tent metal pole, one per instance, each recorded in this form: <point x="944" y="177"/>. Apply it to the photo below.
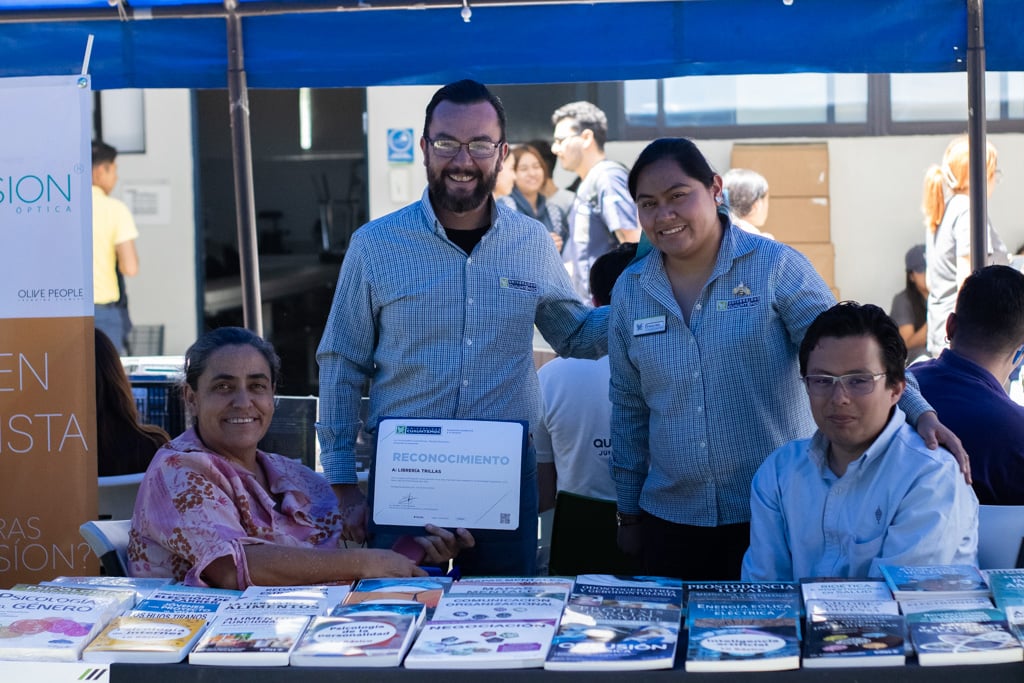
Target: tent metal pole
<point x="976" y="124"/>
<point x="241" y="162"/>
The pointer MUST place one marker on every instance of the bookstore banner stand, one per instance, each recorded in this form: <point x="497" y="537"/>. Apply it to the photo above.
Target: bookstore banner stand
<point x="47" y="384"/>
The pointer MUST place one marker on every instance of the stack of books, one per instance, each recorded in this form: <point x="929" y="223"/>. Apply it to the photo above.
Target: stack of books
<point x="618" y="623"/>
<point x="743" y="627"/>
<point x="852" y="623"/>
<point x="492" y="623"/>
<point x="950" y="617"/>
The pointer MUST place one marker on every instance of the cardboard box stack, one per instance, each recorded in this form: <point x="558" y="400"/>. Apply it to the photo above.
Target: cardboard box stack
<point x="798" y="212"/>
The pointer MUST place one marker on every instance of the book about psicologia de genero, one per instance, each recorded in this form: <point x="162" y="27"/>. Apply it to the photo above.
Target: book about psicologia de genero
<point x="47" y="623"/>
<point x="742" y="632"/>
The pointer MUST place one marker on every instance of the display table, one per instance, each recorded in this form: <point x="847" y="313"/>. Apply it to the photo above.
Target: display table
<point x="911" y="673"/>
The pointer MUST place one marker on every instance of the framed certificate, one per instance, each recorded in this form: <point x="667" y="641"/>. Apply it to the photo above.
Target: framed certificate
<point x="452" y="473"/>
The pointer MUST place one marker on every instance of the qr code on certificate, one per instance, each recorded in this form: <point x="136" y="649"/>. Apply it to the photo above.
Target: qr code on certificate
<point x="506" y="518"/>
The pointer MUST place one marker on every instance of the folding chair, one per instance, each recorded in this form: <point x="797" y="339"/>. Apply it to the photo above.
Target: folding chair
<point x="109" y="540"/>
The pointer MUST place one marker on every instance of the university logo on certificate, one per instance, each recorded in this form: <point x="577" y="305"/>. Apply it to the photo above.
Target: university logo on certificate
<point x="452" y="473"/>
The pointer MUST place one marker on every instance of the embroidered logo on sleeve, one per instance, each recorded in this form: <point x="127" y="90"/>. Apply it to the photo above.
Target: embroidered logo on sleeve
<point x="519" y="285"/>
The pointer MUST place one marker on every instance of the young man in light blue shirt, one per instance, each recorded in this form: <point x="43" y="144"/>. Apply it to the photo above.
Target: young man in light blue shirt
<point x="864" y="490"/>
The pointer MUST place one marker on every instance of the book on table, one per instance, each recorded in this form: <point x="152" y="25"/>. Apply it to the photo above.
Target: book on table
<point x="255" y="640"/>
<point x="934" y="581"/>
<point x="963" y="637"/>
<point x="840" y="640"/>
<point x="607" y="636"/>
<point x="828" y="588"/>
<point x="142" y="640"/>
<point x="788" y="590"/>
<point x="142" y="586"/>
<point x="367" y="634"/>
<point x="1007" y="586"/>
<point x="817" y="607"/>
<point x="742" y="632"/>
<point x="423" y="589"/>
<point x="909" y="607"/>
<point x="505" y="644"/>
<point x="279" y="606"/>
<point x="184" y="601"/>
<point x="535" y="586"/>
<point x="330" y="596"/>
<point x="48" y="623"/>
<point x="627" y="590"/>
<point x="469" y="607"/>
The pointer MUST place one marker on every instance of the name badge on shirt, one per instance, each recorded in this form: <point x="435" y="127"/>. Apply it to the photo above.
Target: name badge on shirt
<point x="648" y="325"/>
<point x="739" y="304"/>
<point x="518" y="285"/>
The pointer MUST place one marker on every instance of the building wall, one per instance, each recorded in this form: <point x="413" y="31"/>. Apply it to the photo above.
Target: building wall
<point x="164" y="291"/>
<point x="875" y="189"/>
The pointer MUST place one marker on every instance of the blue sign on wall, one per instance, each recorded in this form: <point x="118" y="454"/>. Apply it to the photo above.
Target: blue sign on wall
<point x="400" y="145"/>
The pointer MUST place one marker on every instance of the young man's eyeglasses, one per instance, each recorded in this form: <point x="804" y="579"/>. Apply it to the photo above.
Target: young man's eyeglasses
<point x="854" y="384"/>
<point x="478" y="149"/>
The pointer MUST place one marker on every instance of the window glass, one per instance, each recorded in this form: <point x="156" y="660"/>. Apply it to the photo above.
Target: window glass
<point x="1015" y="95"/>
<point x="641" y="102"/>
<point x="749" y="100"/>
<point x="943" y="97"/>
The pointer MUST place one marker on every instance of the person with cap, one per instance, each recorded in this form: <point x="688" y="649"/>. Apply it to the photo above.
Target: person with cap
<point x="910" y="305"/>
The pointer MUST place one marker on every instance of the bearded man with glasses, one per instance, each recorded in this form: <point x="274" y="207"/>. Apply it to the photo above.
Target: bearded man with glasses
<point x="435" y="309"/>
<point x="865" y="490"/>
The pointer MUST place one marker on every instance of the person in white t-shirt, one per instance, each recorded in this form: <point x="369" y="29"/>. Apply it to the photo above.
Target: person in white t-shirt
<point x="573" y="439"/>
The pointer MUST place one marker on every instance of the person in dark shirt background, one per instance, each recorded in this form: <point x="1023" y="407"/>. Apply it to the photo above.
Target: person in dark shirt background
<point x="965" y="384"/>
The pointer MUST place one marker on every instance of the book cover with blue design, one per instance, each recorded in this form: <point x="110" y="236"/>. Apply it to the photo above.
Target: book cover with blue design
<point x="963" y="637"/>
<point x="851" y="640"/>
<point x="742" y="632"/>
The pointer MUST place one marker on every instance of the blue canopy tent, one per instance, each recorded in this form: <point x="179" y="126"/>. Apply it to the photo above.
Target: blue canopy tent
<point x="358" y="43"/>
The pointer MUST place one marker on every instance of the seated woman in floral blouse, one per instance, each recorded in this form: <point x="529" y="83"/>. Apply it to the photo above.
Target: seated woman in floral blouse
<point x="213" y="510"/>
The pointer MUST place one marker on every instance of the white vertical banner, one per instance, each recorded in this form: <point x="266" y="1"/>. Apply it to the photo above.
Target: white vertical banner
<point x="47" y="387"/>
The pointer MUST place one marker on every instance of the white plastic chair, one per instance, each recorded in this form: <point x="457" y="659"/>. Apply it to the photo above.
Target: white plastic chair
<point x="109" y="540"/>
<point x="1000" y="536"/>
<point x="116" y="495"/>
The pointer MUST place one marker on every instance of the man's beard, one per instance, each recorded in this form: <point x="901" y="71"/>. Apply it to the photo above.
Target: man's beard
<point x="462" y="203"/>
